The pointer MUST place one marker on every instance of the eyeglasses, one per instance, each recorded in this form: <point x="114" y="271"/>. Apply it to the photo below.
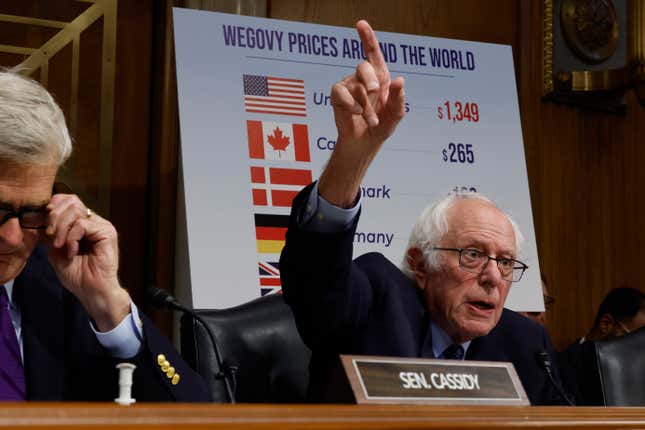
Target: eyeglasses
<point x="475" y="261"/>
<point x="28" y="217"/>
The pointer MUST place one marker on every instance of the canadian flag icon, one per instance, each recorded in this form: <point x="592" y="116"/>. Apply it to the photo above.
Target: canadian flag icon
<point x="278" y="141"/>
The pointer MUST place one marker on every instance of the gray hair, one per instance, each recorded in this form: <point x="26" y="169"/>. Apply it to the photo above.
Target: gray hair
<point x="432" y="225"/>
<point x="32" y="125"/>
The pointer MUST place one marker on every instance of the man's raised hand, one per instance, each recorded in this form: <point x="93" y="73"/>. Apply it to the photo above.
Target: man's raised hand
<point x="368" y="105"/>
<point x="368" y="101"/>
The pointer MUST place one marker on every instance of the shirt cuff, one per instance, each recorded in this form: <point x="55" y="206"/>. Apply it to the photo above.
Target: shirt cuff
<point x="124" y="340"/>
<point x="323" y="217"/>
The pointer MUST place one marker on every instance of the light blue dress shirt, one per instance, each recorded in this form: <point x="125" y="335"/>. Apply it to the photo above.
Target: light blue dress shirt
<point x="123" y="341"/>
<point x="324" y="217"/>
<point x="441" y="341"/>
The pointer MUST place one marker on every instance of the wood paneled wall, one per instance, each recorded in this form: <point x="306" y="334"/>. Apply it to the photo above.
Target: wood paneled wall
<point x="132" y="140"/>
<point x="585" y="174"/>
<point x="585" y="168"/>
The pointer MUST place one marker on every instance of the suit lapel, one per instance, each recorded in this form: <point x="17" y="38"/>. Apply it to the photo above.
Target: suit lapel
<point x="41" y="307"/>
<point x="418" y="320"/>
<point x="490" y="347"/>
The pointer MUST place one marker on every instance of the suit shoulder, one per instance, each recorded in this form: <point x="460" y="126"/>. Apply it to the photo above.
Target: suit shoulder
<point x="376" y="264"/>
<point x="512" y="323"/>
<point x="372" y="258"/>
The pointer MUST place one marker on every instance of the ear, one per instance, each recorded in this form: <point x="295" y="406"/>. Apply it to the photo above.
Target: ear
<point x="417" y="263"/>
<point x="606" y="325"/>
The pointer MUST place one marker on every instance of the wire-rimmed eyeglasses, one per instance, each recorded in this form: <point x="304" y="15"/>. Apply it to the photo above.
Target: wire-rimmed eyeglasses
<point x="475" y="261"/>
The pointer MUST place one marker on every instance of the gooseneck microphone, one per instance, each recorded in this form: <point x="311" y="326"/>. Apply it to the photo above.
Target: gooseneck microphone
<point x="544" y="361"/>
<point x="163" y="300"/>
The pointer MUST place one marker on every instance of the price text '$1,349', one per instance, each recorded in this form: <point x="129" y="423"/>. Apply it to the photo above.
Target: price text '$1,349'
<point x="458" y="111"/>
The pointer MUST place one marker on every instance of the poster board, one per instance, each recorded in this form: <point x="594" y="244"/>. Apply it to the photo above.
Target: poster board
<point x="246" y="148"/>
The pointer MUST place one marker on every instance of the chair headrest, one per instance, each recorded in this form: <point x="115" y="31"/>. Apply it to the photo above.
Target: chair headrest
<point x="260" y="340"/>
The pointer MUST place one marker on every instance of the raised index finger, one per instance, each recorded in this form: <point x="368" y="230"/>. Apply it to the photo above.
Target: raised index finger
<point x="371" y="46"/>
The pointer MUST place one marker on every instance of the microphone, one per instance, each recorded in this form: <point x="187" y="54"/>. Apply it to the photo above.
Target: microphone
<point x="544" y="361"/>
<point x="164" y="300"/>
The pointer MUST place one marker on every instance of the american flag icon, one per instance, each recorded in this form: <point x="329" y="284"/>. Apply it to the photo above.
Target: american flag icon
<point x="281" y="96"/>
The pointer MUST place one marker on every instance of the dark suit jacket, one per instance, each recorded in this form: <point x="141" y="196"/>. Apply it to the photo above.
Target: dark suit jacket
<point x="63" y="360"/>
<point x="368" y="306"/>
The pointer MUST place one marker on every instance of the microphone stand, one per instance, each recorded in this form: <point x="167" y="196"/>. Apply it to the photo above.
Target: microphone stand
<point x="544" y="361"/>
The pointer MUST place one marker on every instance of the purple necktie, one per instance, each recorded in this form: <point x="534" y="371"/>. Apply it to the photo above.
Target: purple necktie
<point x="12" y="375"/>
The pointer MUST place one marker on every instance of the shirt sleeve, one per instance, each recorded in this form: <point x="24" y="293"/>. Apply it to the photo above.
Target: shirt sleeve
<point x="124" y="340"/>
<point x="323" y="217"/>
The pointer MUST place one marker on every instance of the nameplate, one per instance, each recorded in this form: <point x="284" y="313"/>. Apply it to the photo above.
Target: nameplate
<point x="429" y="381"/>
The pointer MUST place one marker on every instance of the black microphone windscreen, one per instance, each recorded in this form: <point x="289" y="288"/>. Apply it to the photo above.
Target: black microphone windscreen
<point x="158" y="297"/>
<point x="543" y="358"/>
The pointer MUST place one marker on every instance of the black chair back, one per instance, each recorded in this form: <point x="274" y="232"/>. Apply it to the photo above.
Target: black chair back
<point x="621" y="363"/>
<point x="260" y="342"/>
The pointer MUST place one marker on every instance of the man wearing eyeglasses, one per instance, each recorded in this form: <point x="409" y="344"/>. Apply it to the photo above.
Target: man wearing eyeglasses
<point x="65" y="320"/>
<point x="448" y="299"/>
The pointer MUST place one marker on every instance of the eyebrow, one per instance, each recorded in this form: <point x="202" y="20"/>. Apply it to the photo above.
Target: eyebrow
<point x="504" y="253"/>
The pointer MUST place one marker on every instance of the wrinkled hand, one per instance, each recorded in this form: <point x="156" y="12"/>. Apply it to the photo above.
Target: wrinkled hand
<point x="368" y="106"/>
<point x="84" y="252"/>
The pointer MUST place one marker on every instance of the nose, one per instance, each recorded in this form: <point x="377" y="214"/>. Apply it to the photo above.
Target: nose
<point x="491" y="276"/>
<point x="11" y="234"/>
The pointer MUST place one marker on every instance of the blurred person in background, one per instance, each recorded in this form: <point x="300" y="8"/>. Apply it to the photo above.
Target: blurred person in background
<point x="621" y="312"/>
<point x="540" y="317"/>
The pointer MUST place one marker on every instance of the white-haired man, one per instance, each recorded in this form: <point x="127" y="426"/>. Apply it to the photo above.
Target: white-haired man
<point x="65" y="320"/>
<point x="460" y="263"/>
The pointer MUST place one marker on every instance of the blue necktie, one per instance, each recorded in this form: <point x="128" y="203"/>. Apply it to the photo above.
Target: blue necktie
<point x="12" y="375"/>
<point x="454" y="352"/>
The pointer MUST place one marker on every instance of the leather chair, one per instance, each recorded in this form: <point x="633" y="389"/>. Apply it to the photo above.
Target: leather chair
<point x="260" y="349"/>
<point x="621" y="364"/>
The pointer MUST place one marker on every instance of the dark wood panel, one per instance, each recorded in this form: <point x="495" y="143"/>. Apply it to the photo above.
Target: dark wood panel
<point x="85" y="160"/>
<point x="57" y="10"/>
<point x="27" y="36"/>
<point x="8" y="60"/>
<point x="162" y="187"/>
<point x="465" y="19"/>
<point x="60" y="80"/>
<point x="131" y="140"/>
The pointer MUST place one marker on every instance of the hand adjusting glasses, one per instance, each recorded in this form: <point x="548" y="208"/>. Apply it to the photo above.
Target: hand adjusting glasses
<point x="28" y="217"/>
<point x="475" y="261"/>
